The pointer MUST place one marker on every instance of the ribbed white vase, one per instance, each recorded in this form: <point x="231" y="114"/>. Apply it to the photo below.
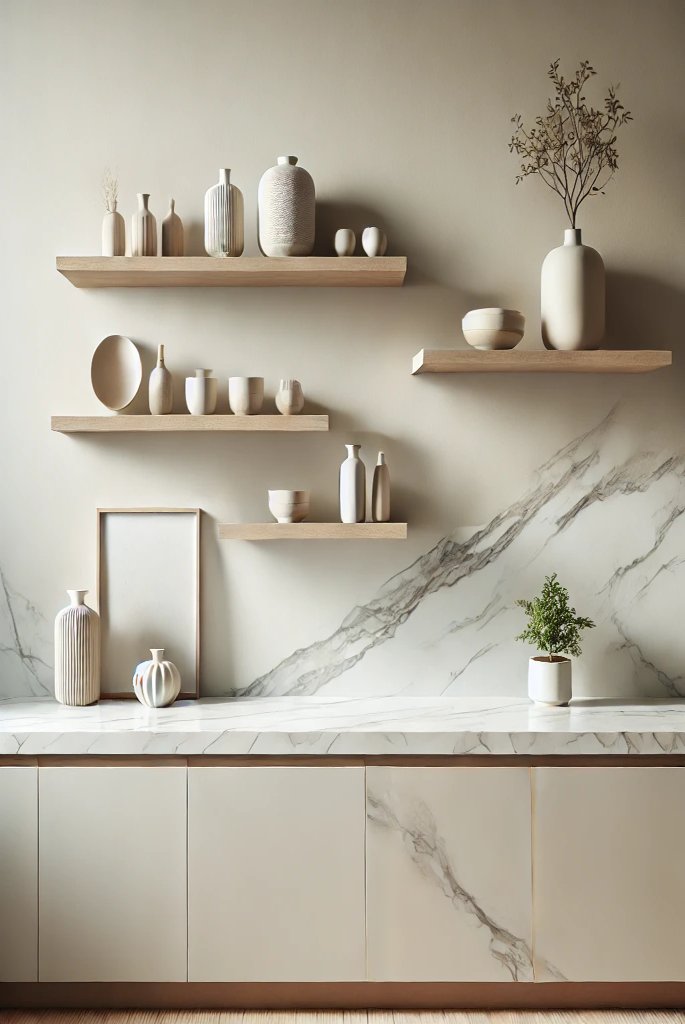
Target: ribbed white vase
<point x="77" y="652"/>
<point x="224" y="218"/>
<point x="287" y="209"/>
<point x="143" y="229"/>
<point x="156" y="683"/>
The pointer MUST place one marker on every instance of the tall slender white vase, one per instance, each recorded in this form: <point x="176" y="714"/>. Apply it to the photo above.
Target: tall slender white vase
<point x="77" y="652"/>
<point x="143" y="228"/>
<point x="353" y="487"/>
<point x="224" y="218"/>
<point x="172" y="232"/>
<point x="286" y="202"/>
<point x="572" y="296"/>
<point x="380" y="492"/>
<point x="113" y="233"/>
<point x="160" y="387"/>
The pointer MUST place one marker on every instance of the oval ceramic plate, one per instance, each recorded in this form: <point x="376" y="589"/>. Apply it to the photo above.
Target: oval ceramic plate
<point x="116" y="372"/>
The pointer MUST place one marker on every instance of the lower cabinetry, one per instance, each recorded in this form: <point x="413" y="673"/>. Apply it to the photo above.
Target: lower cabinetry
<point x="18" y="874"/>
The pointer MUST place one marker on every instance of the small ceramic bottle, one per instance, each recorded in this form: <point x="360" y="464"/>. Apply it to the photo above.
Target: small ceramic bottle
<point x="113" y="233"/>
<point x="160" y="389"/>
<point x="143" y="228"/>
<point x="77" y="652"/>
<point x="224" y="218"/>
<point x="380" y="492"/>
<point x="374" y="242"/>
<point x="289" y="398"/>
<point x="172" y="232"/>
<point x="353" y="487"/>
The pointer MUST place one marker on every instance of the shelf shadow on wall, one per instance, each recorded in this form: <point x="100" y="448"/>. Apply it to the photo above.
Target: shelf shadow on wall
<point x="644" y="312"/>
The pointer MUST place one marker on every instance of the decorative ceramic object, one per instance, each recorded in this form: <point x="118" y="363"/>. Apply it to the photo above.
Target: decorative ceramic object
<point x="572" y="296"/>
<point x="345" y="242"/>
<point x="289" y="397"/>
<point x="353" y="487"/>
<point x="493" y="328"/>
<point x="77" y="652"/>
<point x="224" y="218"/>
<point x="156" y="683"/>
<point x="201" y="393"/>
<point x="374" y="242"/>
<point x="160" y="387"/>
<point x="113" y="233"/>
<point x="116" y="371"/>
<point x="549" y="682"/>
<point x="245" y="395"/>
<point x="287" y="209"/>
<point x="172" y="232"/>
<point x="289" y="506"/>
<point x="143" y="229"/>
<point x="380" y="492"/>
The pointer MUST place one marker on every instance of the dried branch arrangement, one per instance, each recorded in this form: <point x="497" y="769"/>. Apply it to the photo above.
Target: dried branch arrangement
<point x="110" y="190"/>
<point x="572" y="147"/>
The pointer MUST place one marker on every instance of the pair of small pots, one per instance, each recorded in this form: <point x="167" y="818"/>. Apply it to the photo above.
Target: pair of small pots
<point x="374" y="242"/>
<point x="549" y="682"/>
<point x="245" y="394"/>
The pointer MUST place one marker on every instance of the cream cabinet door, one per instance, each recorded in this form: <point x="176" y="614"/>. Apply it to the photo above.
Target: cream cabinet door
<point x="276" y="874"/>
<point x="112" y="870"/>
<point x="18" y="873"/>
<point x="449" y="874"/>
<point x="609" y="882"/>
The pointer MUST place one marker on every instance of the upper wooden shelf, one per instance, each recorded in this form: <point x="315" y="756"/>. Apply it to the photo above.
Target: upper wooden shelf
<point x="312" y="531"/>
<point x="180" y="423"/>
<point x="452" y="360"/>
<point x="235" y="272"/>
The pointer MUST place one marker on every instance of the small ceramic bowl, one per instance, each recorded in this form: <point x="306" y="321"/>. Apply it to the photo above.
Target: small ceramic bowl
<point x="289" y="506"/>
<point x="493" y="328"/>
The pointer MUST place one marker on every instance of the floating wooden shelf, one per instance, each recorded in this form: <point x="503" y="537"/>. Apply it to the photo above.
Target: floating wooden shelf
<point x="237" y="272"/>
<point x="312" y="531"/>
<point x="452" y="360"/>
<point x="177" y="423"/>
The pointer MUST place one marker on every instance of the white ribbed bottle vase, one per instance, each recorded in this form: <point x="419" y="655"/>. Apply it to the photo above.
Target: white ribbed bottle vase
<point x="143" y="228"/>
<point x="77" y="652"/>
<point x="224" y="216"/>
<point x="287" y="209"/>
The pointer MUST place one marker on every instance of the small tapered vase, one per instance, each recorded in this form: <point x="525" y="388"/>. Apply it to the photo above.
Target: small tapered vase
<point x="160" y="388"/>
<point x="172" y="232"/>
<point x="380" y="492"/>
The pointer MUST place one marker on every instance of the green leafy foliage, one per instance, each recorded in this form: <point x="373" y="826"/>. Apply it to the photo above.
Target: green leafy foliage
<point x="553" y="626"/>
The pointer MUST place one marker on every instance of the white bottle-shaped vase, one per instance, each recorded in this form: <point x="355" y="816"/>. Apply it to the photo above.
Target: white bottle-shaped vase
<point x="143" y="228"/>
<point x="77" y="652"/>
<point x="172" y="232"/>
<point x="160" y="387"/>
<point x="380" y="492"/>
<point x="572" y="296"/>
<point x="353" y="487"/>
<point x="113" y="233"/>
<point x="224" y="218"/>
<point x="287" y="209"/>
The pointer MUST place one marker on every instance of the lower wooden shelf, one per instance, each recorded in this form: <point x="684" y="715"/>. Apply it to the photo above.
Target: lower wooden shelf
<point x="185" y="423"/>
<point x="312" y="531"/>
<point x="455" y="360"/>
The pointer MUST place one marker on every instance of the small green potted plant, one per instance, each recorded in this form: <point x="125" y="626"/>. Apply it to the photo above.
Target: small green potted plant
<point x="555" y="629"/>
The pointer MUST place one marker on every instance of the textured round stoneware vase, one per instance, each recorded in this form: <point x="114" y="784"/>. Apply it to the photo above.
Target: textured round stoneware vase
<point x="116" y="371"/>
<point x="287" y="210"/>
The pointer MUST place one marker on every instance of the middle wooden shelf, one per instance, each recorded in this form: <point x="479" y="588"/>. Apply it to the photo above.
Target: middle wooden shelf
<point x="312" y="531"/>
<point x="184" y="422"/>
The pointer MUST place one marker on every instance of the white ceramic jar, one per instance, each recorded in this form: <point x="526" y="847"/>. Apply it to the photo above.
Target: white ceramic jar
<point x="549" y="682"/>
<point x="572" y="296"/>
<point x="245" y="395"/>
<point x="286" y="201"/>
<point x="156" y="683"/>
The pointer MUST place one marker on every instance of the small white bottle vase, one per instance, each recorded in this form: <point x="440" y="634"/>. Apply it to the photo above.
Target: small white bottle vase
<point x="286" y="202"/>
<point x="143" y="228"/>
<point x="156" y="683"/>
<point x="113" y="233"/>
<point x="353" y="487"/>
<point x="224" y="218"/>
<point x="380" y="491"/>
<point x="172" y="232"/>
<point x="160" y="388"/>
<point x="77" y="652"/>
<point x="572" y="296"/>
<point x="289" y="398"/>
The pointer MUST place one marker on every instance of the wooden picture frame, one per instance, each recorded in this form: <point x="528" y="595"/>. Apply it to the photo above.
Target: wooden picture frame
<point x="130" y="626"/>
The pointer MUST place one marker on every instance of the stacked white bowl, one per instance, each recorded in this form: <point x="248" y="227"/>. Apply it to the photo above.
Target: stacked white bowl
<point x="493" y="328"/>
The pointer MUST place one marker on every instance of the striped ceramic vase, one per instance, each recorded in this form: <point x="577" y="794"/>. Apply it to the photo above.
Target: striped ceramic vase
<point x="77" y="652"/>
<point x="143" y="229"/>
<point x="224" y="216"/>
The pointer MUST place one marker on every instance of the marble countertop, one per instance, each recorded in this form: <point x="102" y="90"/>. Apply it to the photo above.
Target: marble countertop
<point x="311" y="726"/>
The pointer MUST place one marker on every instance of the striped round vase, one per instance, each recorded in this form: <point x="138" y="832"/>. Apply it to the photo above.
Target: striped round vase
<point x="224" y="218"/>
<point x="77" y="652"/>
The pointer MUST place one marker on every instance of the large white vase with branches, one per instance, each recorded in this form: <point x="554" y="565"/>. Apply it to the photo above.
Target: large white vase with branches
<point x="572" y="147"/>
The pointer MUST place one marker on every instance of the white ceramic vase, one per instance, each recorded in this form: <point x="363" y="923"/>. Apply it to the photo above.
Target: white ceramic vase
<point x="549" y="682"/>
<point x="160" y="387"/>
<point x="289" y="398"/>
<point x="345" y="242"/>
<point x="224" y="218"/>
<point x="156" y="683"/>
<point x="374" y="242"/>
<point x="572" y="296"/>
<point x="143" y="229"/>
<point x="113" y="233"/>
<point x="245" y="395"/>
<point x="201" y="393"/>
<point x="353" y="487"/>
<point x="77" y="652"/>
<point x="287" y="209"/>
<point x="380" y="491"/>
<point x="172" y="232"/>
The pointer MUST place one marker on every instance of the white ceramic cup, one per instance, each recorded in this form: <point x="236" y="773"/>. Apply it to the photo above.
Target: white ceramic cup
<point x="289" y="398"/>
<point x="201" y="393"/>
<point x="245" y="395"/>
